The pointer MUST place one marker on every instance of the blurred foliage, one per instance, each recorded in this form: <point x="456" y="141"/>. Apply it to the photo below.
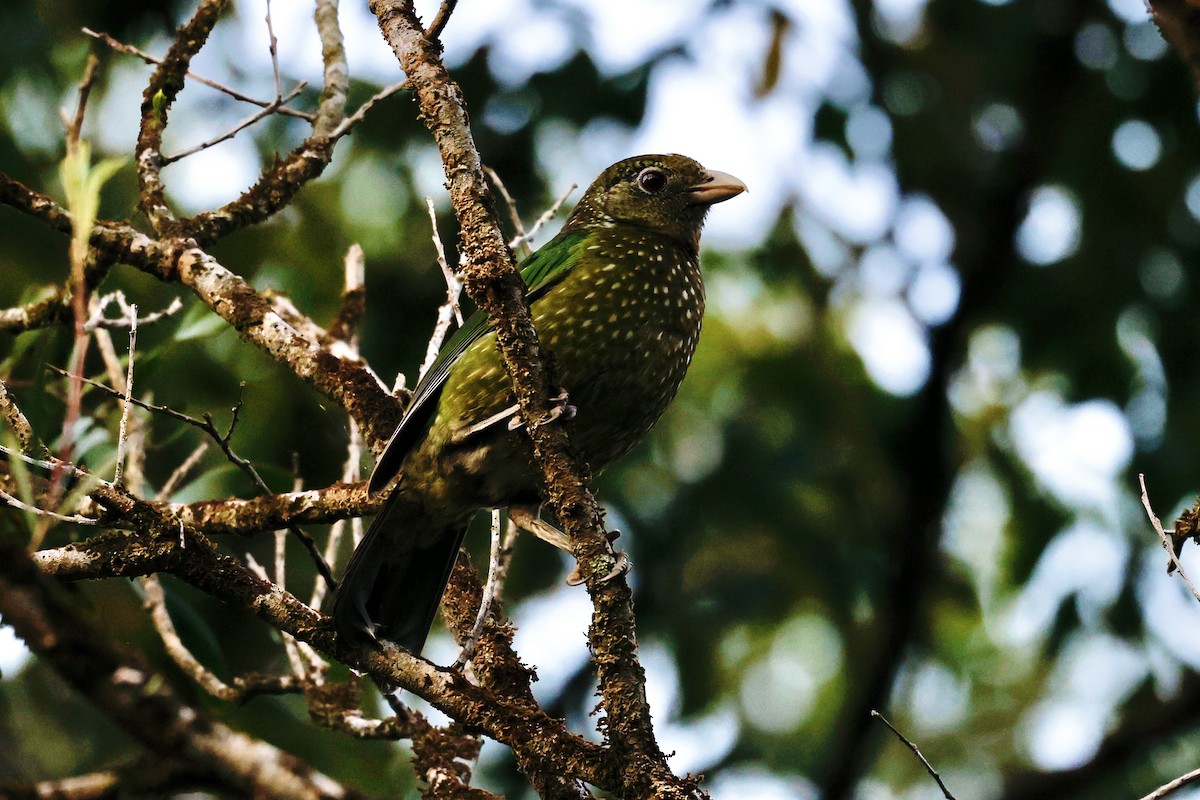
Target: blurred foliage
<point x="807" y="544"/>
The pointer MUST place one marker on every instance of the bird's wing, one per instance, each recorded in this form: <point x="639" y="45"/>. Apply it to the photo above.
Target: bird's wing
<point x="540" y="271"/>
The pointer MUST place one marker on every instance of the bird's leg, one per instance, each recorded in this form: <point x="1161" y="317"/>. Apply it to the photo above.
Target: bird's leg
<point x="526" y="518"/>
<point x="461" y="435"/>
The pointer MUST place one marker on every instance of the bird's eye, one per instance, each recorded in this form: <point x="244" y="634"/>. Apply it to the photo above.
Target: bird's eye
<point x="651" y="180"/>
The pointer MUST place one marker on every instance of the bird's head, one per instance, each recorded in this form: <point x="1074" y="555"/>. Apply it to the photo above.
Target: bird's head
<point x="665" y="193"/>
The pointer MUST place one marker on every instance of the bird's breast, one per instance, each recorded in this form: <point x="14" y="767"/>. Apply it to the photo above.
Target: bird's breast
<point x="622" y="326"/>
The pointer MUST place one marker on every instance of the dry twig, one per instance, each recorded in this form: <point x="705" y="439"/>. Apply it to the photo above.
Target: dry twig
<point x="1165" y="539"/>
<point x="492" y="281"/>
<point x="439" y="22"/>
<point x="45" y="513"/>
<point x="270" y="109"/>
<point x="1170" y="786"/>
<point x="449" y="309"/>
<point x="924" y="761"/>
<point x="129" y="49"/>
<point x="222" y="441"/>
<point x="128" y="392"/>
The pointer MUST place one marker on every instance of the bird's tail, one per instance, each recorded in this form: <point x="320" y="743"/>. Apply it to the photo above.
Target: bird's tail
<point x="392" y="588"/>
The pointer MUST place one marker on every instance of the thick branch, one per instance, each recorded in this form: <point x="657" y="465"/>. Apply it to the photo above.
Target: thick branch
<point x="197" y="562"/>
<point x="154" y="777"/>
<point x="139" y="700"/>
<point x="1179" y="23"/>
<point x="493" y="283"/>
<point x="332" y="108"/>
<point x="165" y="84"/>
<point x="347" y="381"/>
<point x="232" y="516"/>
<point x="498" y="668"/>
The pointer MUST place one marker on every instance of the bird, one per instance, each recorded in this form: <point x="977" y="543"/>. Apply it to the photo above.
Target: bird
<point x="617" y="298"/>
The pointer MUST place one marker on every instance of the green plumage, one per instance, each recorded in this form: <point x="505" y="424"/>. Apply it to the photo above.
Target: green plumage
<point x="618" y="299"/>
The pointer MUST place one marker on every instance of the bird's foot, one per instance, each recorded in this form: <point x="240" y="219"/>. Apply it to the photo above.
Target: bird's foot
<point x="621" y="565"/>
<point x="560" y="408"/>
<point x="527" y="519"/>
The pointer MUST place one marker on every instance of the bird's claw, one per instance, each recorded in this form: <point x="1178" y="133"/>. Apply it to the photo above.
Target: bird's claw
<point x="560" y="408"/>
<point x="621" y="565"/>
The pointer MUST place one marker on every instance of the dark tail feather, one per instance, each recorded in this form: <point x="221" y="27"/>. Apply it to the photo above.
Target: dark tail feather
<point x="390" y="591"/>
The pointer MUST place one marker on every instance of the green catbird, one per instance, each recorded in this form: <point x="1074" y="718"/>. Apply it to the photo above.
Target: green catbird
<point x="617" y="298"/>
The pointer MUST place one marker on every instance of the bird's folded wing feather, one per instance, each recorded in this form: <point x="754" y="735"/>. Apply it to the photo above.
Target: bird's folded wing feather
<point x="540" y="272"/>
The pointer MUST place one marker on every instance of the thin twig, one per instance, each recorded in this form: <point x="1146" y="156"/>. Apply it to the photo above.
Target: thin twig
<point x="453" y="285"/>
<point x="928" y="767"/>
<point x="346" y="328"/>
<point x="511" y="535"/>
<point x="489" y="591"/>
<point x="350" y="474"/>
<point x="50" y="463"/>
<point x="180" y="472"/>
<point x="439" y="22"/>
<point x="357" y="117"/>
<point x="1166" y="540"/>
<point x="519" y="238"/>
<point x="1178" y="783"/>
<point x="299" y="668"/>
<point x="238" y="128"/>
<point x="222" y="440"/>
<point x="544" y="219"/>
<point x="450" y="308"/>
<point x="124" y="426"/>
<point x="41" y="512"/>
<point x="273" y="46"/>
<point x="129" y="49"/>
<point x="156" y="603"/>
<point x="98" y="320"/>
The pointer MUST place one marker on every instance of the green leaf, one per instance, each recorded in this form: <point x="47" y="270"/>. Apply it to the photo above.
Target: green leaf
<point x="199" y="323"/>
<point x="82" y="182"/>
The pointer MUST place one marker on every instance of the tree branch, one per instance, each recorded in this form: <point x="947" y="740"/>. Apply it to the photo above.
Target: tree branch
<point x="139" y="700"/>
<point x="196" y="561"/>
<point x="492" y="281"/>
<point x="147" y="776"/>
<point x="165" y="85"/>
<point x="332" y="108"/>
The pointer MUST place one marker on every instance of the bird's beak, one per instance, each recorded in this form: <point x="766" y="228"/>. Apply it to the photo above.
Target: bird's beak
<point x="715" y="187"/>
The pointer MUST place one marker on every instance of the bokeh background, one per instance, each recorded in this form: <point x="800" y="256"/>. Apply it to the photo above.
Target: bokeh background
<point x="948" y="326"/>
